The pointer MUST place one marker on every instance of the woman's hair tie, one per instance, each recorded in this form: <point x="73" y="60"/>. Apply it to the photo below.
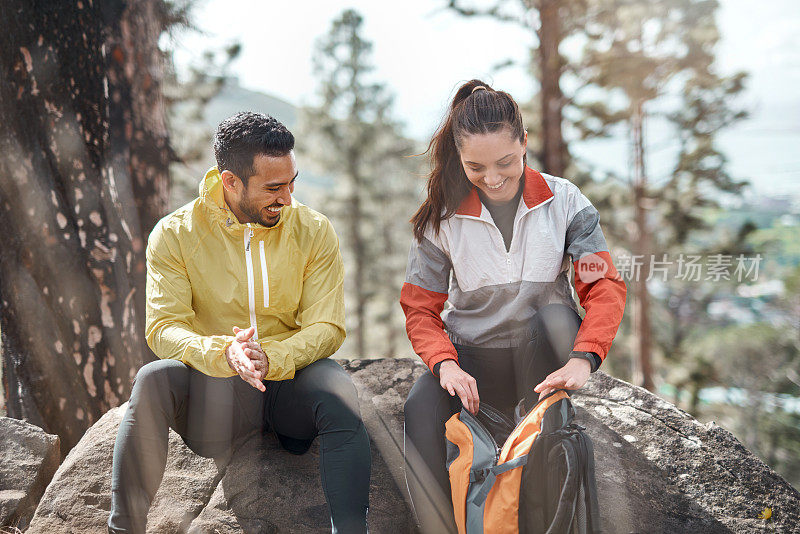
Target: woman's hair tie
<point x="479" y="88"/>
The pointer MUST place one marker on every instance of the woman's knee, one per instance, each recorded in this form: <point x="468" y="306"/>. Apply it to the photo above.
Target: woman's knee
<point x="556" y="321"/>
<point x="424" y="403"/>
<point x="419" y="396"/>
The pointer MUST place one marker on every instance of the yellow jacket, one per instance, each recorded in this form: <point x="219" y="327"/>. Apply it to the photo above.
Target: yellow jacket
<point x="207" y="273"/>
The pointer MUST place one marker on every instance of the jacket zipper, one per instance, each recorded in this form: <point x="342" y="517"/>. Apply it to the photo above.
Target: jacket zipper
<point x="502" y="244"/>
<point x="251" y="291"/>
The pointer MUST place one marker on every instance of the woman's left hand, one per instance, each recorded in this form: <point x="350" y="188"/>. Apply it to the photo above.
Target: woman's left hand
<point x="572" y="376"/>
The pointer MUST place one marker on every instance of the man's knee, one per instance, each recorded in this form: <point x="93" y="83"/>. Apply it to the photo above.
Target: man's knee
<point x="155" y="378"/>
<point x="333" y="395"/>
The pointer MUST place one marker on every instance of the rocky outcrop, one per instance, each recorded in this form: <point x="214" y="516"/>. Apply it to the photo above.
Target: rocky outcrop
<point x="261" y="489"/>
<point x="28" y="459"/>
<point x="661" y="471"/>
<point x="658" y="471"/>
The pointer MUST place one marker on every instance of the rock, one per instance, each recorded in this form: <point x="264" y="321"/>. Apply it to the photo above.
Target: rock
<point x="28" y="459"/>
<point x="658" y="470"/>
<point x="78" y="498"/>
<point x="263" y="489"/>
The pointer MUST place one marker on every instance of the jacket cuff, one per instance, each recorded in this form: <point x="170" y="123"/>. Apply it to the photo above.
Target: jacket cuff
<point x="591" y="357"/>
<point x="213" y="362"/>
<point x="590" y="346"/>
<point x="437" y="365"/>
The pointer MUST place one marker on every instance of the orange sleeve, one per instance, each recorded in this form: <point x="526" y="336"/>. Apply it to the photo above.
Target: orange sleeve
<point x="424" y="324"/>
<point x="603" y="298"/>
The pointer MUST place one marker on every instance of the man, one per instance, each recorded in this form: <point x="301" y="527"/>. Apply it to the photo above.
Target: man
<point x="244" y="305"/>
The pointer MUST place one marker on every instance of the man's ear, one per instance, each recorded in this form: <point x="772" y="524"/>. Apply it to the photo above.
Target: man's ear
<point x="229" y="181"/>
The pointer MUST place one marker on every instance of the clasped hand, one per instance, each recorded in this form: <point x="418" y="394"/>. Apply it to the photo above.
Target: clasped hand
<point x="247" y="358"/>
<point x="456" y="381"/>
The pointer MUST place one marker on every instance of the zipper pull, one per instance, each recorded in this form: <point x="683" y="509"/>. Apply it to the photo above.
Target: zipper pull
<point x="250" y="234"/>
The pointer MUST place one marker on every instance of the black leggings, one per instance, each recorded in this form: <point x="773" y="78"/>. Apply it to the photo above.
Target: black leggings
<point x="504" y="376"/>
<point x="210" y="414"/>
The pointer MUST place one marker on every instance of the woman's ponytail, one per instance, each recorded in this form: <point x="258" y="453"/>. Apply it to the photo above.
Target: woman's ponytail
<point x="476" y="108"/>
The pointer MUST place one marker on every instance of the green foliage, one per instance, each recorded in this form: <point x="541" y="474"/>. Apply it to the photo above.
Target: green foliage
<point x="779" y="243"/>
<point x="792" y="281"/>
<point x="780" y="446"/>
<point x="764" y="361"/>
<point x="756" y="357"/>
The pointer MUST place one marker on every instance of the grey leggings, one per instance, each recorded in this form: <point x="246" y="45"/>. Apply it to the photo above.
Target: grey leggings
<point x="211" y="413"/>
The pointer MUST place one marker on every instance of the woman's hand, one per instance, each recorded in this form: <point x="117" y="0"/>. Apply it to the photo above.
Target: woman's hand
<point x="458" y="382"/>
<point x="572" y="376"/>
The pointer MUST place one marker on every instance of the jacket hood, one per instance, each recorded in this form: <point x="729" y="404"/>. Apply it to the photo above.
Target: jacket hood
<point x="212" y="196"/>
<point x="211" y="188"/>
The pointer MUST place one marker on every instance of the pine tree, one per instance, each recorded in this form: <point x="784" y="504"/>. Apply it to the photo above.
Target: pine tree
<point x="551" y="22"/>
<point x="352" y="137"/>
<point x="656" y="59"/>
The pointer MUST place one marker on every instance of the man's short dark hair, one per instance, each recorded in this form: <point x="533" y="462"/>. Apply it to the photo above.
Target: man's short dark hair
<point x="239" y="139"/>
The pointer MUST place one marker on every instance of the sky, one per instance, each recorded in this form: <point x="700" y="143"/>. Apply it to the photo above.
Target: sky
<point x="423" y="52"/>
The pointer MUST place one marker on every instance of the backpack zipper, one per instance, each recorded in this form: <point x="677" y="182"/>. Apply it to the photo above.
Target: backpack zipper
<point x="495" y="415"/>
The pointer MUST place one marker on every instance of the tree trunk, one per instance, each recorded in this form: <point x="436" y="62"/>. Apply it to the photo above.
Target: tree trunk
<point x="552" y="99"/>
<point x="642" y="250"/>
<point x="73" y="163"/>
<point x="694" y="401"/>
<point x="139" y="150"/>
<point x="359" y="248"/>
<point x="389" y="281"/>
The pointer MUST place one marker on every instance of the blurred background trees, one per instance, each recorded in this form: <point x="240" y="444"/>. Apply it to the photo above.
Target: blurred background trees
<point x="656" y="62"/>
<point x="352" y="137"/>
<point x="88" y="171"/>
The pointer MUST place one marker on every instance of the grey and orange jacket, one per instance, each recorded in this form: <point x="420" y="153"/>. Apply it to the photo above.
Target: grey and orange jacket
<point x="463" y="287"/>
<point x="207" y="273"/>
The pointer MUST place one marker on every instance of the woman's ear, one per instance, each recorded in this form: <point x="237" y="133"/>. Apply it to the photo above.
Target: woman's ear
<point x="525" y="141"/>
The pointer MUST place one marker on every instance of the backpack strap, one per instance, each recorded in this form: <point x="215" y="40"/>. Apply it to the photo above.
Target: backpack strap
<point x="490" y="474"/>
<point x="590" y="484"/>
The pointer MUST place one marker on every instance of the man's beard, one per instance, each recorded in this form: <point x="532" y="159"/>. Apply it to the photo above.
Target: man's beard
<point x="254" y="213"/>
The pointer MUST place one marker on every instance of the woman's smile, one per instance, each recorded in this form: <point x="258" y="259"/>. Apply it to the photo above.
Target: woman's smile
<point x="498" y="186"/>
<point x="493" y="162"/>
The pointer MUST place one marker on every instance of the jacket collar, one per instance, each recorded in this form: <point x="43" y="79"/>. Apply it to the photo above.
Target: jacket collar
<point x="535" y="192"/>
<point x="211" y="194"/>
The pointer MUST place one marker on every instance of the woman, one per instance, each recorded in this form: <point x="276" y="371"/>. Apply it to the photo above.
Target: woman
<point x="493" y="239"/>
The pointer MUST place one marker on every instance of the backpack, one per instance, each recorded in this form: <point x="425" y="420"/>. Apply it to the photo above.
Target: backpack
<point x="541" y="480"/>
